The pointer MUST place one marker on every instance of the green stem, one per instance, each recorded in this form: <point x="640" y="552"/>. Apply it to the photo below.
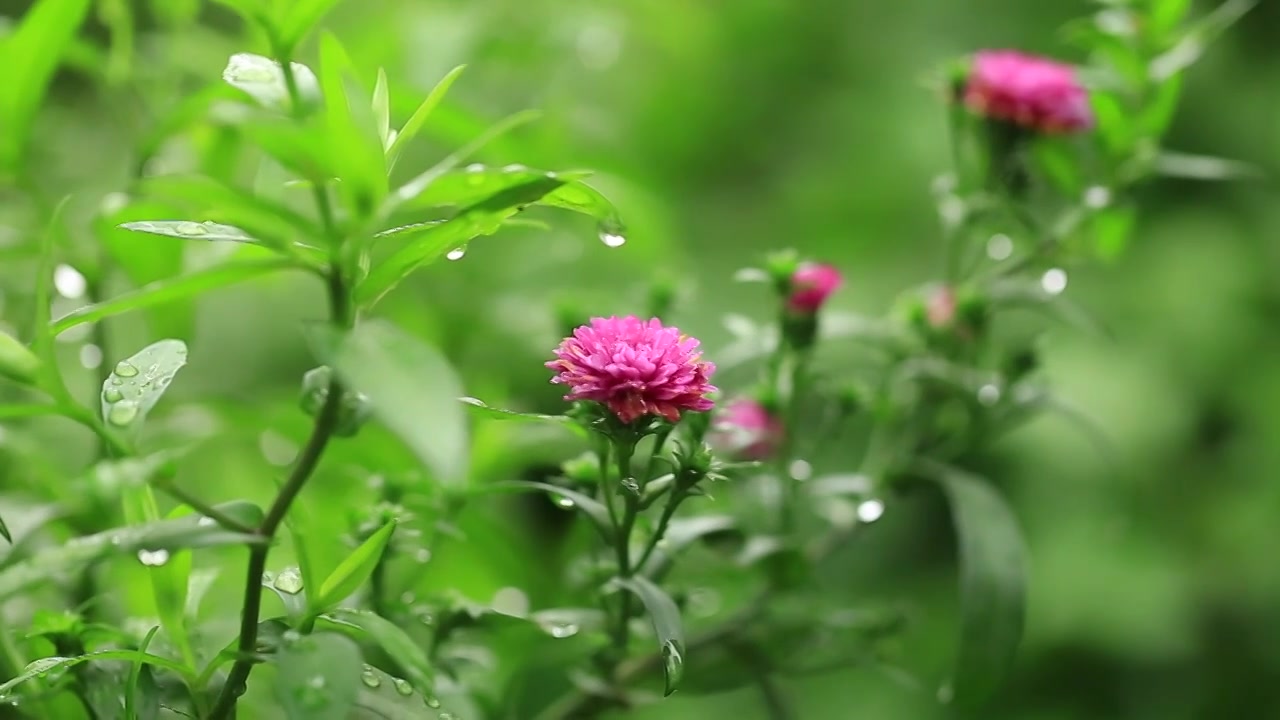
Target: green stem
<point x="668" y="511"/>
<point x="204" y="508"/>
<point x="321" y="433"/>
<point x="622" y="543"/>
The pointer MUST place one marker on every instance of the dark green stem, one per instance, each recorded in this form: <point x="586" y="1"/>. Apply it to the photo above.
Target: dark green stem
<point x="624" y="449"/>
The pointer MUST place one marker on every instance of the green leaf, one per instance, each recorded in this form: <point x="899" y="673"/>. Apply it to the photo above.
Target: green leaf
<point x="354" y="146"/>
<point x="189" y="230"/>
<point x="1203" y="167"/>
<point x="271" y="223"/>
<point x="318" y="677"/>
<point x="17" y="362"/>
<point x="992" y="582"/>
<point x="1165" y="16"/>
<point x="1016" y="293"/>
<point x="407" y="653"/>
<point x="171" y="289"/>
<point x="386" y="697"/>
<point x="353" y="571"/>
<point x="586" y="200"/>
<point x="1112" y="227"/>
<point x="382" y="108"/>
<point x="48" y="376"/>
<point x="1056" y="160"/>
<point x="137" y="383"/>
<point x="1197" y="39"/>
<point x="667" y="625"/>
<point x="419" y="117"/>
<point x="1157" y="113"/>
<point x="263" y="79"/>
<point x="1115" y="122"/>
<point x="298" y="19"/>
<point x="476" y="183"/>
<point x="565" y="498"/>
<point x="135" y="680"/>
<point x="4" y="532"/>
<point x="43" y="666"/>
<point x="291" y="587"/>
<point x="73" y="557"/>
<point x="169" y="580"/>
<point x="413" y="391"/>
<point x="37" y="46"/>
<point x="301" y="147"/>
<point x="478" y="407"/>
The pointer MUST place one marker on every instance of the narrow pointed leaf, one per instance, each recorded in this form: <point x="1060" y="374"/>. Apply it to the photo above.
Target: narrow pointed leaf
<point x="189" y="230"/>
<point x="171" y="289"/>
<point x="419" y="117"/>
<point x="355" y="569"/>
<point x="667" y="625"/>
<point x="993" y="570"/>
<point x="589" y="506"/>
<point x="137" y="383"/>
<point x="406" y="652"/>
<point x="299" y="18"/>
<point x="43" y="666"/>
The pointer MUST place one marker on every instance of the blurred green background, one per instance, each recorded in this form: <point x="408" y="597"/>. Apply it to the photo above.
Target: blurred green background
<point x="723" y="130"/>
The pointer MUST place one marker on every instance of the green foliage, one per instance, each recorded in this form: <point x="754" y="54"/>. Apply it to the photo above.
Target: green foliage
<point x="415" y="552"/>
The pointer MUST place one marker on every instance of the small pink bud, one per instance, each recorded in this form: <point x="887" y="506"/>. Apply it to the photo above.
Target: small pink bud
<point x="940" y="309"/>
<point x="1029" y="91"/>
<point x="811" y="285"/>
<point x="746" y="429"/>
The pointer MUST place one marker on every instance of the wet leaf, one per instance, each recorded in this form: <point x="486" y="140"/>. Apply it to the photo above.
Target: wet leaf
<point x="318" y="677"/>
<point x="189" y="230"/>
<point x="419" y="117"/>
<point x="395" y="641"/>
<point x="566" y="498"/>
<point x="355" y="569"/>
<point x="667" y="625"/>
<point x="263" y="79"/>
<point x="44" y="666"/>
<point x="136" y="384"/>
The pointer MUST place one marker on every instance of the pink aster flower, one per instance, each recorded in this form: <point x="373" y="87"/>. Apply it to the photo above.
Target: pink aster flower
<point x="635" y="368"/>
<point x="1029" y="91"/>
<point x="747" y="429"/>
<point x="940" y="308"/>
<point x="811" y="285"/>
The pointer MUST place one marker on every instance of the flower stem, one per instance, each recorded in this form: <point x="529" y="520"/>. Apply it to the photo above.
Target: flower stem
<point x="624" y="449"/>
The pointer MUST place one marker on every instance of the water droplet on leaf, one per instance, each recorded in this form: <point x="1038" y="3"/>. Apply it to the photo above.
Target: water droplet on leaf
<point x="431" y="701"/>
<point x="1054" y="281"/>
<point x="69" y="282"/>
<point x="870" y="510"/>
<point x="112" y="395"/>
<point x="562" y="630"/>
<point x="153" y="558"/>
<point x="456" y="254"/>
<point x="989" y="395"/>
<point x="122" y="413"/>
<point x="514" y="168"/>
<point x="999" y="247"/>
<point x="423" y="555"/>
<point x="672" y="665"/>
<point x="370" y="678"/>
<point x="403" y="687"/>
<point x="289" y="581"/>
<point x="191" y="228"/>
<point x="447" y="716"/>
<point x="125" y="369"/>
<point x="612" y="240"/>
<point x="565" y="502"/>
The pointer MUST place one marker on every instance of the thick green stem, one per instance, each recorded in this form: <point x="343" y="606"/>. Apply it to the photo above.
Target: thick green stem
<point x="622" y="543"/>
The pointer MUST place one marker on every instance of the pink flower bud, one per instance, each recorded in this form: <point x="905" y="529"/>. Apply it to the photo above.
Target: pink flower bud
<point x="1029" y="91"/>
<point x="811" y="285"/>
<point x="635" y="368"/>
<point x="940" y="308"/>
<point x="746" y="429"/>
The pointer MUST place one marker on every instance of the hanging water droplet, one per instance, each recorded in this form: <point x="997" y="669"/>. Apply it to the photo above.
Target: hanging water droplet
<point x="370" y="678"/>
<point x="90" y="356"/>
<point x="672" y="665"/>
<point x="989" y="395"/>
<point x="289" y="581"/>
<point x="562" y="630"/>
<point x="69" y="282"/>
<point x="999" y="247"/>
<point x="125" y="369"/>
<point x="112" y="395"/>
<point x="122" y="413"/>
<point x="1054" y="281"/>
<point x="431" y="701"/>
<point x="870" y="510"/>
<point x="612" y="239"/>
<point x="153" y="558"/>
<point x="191" y="228"/>
<point x="457" y="253"/>
<point x="403" y="687"/>
<point x="565" y="502"/>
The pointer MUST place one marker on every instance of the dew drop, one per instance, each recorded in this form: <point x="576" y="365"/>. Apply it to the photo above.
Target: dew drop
<point x="116" y="381"/>
<point x="988" y="395"/>
<point x="514" y="168"/>
<point x="1054" y="281"/>
<point x="422" y="555"/>
<point x="190" y="228"/>
<point x="1097" y="197"/>
<point x="456" y="254"/>
<point x="403" y="687"/>
<point x="407" y="597"/>
<point x="289" y="581"/>
<point x="153" y="558"/>
<point x="672" y="665"/>
<point x="801" y="470"/>
<point x="475" y="174"/>
<point x="69" y="282"/>
<point x="870" y="510"/>
<point x="999" y="247"/>
<point x="125" y="369"/>
<point x="112" y="395"/>
<point x="90" y="356"/>
<point x="370" y="678"/>
<point x="423" y="613"/>
<point x="447" y="716"/>
<point x="206" y="522"/>
<point x="565" y="502"/>
<point x="42" y="666"/>
<point x="612" y="239"/>
<point x="291" y="636"/>
<point x="122" y="413"/>
<point x="562" y="630"/>
<point x="431" y="702"/>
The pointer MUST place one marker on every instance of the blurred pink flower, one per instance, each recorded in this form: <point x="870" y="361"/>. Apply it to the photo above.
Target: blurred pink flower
<point x="1029" y="91"/>
<point x="634" y="368"/>
<point x="940" y="309"/>
<point x="811" y="285"/>
<point x="747" y="429"/>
